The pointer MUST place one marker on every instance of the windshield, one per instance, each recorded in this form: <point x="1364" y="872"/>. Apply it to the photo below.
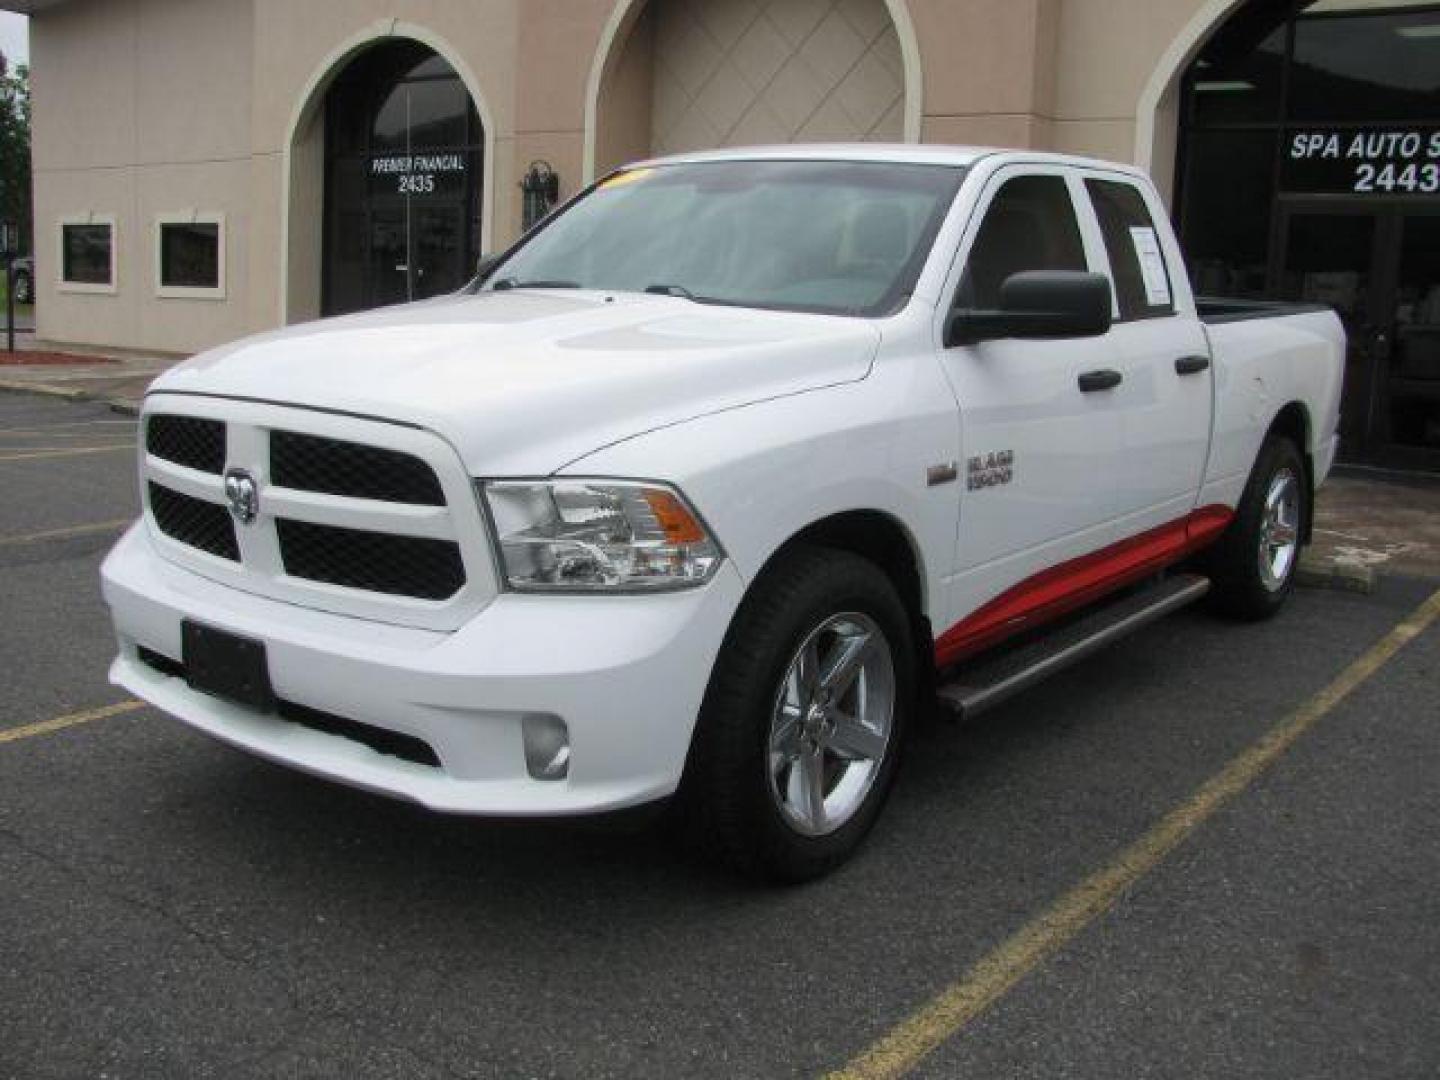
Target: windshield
<point x="845" y="238"/>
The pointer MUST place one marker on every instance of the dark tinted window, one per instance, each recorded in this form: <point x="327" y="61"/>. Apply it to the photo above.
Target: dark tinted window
<point x="1236" y="83"/>
<point x="190" y="255"/>
<point x="1382" y="67"/>
<point x="85" y="253"/>
<point x="1229" y="185"/>
<point x="1132" y="244"/>
<point x="1030" y="225"/>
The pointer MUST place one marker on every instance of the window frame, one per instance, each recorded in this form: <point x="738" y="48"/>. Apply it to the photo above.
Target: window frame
<point x="189" y="292"/>
<point x="1090" y="240"/>
<point x="62" y="284"/>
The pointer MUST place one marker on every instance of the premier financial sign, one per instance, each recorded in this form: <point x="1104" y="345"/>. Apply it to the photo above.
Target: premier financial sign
<point x="418" y="174"/>
<point x="1362" y="161"/>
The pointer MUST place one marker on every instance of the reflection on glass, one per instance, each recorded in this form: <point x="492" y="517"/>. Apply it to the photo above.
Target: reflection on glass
<point x="1226" y="223"/>
<point x="1383" y="66"/>
<point x="1230" y="88"/>
<point x="85" y="255"/>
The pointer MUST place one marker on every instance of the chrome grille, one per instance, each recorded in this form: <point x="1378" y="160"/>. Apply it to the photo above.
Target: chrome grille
<point x="356" y="516"/>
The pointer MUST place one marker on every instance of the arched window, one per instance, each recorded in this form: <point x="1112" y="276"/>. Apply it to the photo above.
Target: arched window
<point x="403" y="167"/>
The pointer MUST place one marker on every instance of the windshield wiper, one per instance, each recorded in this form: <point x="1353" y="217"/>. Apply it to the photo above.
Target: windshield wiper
<point x="671" y="290"/>
<point x="539" y="283"/>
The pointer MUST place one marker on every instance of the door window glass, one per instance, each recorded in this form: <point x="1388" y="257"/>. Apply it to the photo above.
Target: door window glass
<point x="1030" y="225"/>
<point x="1142" y="280"/>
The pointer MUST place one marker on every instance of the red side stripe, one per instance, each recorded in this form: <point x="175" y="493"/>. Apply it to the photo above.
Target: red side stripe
<point x="1061" y="589"/>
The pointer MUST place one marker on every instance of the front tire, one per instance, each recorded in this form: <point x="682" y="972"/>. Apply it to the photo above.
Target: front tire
<point x="800" y="732"/>
<point x="1253" y="565"/>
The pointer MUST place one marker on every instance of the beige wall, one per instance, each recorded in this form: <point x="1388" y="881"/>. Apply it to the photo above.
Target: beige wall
<point x="155" y="106"/>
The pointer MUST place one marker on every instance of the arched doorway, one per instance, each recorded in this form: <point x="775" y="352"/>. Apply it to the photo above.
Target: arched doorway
<point x="403" y="168"/>
<point x="672" y="76"/>
<point x="1309" y="169"/>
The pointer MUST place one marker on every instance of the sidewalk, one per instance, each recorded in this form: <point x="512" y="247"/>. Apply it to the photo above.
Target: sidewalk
<point x="119" y="381"/>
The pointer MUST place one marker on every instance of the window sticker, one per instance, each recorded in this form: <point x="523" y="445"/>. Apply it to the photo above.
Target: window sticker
<point x="1152" y="266"/>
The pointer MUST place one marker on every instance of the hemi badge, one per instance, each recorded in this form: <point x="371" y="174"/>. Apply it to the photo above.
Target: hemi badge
<point x="942" y="474"/>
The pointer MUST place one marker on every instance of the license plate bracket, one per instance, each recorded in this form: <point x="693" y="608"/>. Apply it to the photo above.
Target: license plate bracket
<point x="226" y="665"/>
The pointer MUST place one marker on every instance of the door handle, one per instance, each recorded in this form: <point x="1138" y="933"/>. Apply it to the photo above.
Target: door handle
<point x="1191" y="365"/>
<point x="1092" y="381"/>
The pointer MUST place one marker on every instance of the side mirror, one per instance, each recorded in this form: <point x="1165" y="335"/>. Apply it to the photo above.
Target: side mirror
<point x="1038" y="304"/>
<point x="485" y="267"/>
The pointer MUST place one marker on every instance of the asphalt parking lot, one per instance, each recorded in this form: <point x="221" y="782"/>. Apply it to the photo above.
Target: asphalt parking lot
<point x="170" y="907"/>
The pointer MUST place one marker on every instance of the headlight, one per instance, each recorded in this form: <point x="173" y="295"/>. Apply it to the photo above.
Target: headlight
<point x="597" y="536"/>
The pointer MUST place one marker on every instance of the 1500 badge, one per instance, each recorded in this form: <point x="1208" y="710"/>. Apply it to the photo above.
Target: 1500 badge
<point x="990" y="470"/>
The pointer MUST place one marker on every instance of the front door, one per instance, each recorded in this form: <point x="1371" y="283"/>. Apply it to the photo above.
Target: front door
<point x="1378" y="265"/>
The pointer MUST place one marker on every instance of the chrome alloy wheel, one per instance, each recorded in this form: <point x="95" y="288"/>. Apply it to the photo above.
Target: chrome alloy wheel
<point x="1280" y="530"/>
<point x="831" y="723"/>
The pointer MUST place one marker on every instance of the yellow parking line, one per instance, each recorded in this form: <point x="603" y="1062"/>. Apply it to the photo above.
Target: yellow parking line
<point x="71" y="451"/>
<point x="66" y="533"/>
<point x="905" y="1045"/>
<point x="59" y="723"/>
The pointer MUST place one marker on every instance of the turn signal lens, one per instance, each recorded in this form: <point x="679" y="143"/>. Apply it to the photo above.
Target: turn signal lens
<point x="598" y="536"/>
<point x="679" y="524"/>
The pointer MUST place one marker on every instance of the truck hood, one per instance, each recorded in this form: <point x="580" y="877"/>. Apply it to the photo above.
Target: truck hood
<point x="525" y="382"/>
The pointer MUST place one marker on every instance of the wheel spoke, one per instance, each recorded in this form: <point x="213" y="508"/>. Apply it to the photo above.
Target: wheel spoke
<point x="807" y="673"/>
<point x="853" y="740"/>
<point x="844" y="663"/>
<point x="785" y="735"/>
<point x="811" y="768"/>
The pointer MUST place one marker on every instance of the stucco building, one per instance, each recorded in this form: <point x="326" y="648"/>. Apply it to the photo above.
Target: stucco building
<point x="209" y="168"/>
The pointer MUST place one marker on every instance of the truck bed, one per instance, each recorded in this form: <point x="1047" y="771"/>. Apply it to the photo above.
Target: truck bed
<point x="1217" y="309"/>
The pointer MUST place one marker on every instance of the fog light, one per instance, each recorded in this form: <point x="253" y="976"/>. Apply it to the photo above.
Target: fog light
<point x="547" y="747"/>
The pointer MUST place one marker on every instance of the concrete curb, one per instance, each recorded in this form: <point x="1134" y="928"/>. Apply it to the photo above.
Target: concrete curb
<point x="1320" y="573"/>
<point x="119" y="405"/>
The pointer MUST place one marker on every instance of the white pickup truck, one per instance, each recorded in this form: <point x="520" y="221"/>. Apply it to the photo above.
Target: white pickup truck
<point x="711" y="482"/>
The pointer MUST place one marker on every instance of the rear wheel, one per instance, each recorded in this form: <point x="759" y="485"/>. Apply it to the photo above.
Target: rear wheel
<point x="799" y="735"/>
<point x="1253" y="565"/>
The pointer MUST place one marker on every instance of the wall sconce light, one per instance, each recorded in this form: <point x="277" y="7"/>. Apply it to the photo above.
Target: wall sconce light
<point x="542" y="191"/>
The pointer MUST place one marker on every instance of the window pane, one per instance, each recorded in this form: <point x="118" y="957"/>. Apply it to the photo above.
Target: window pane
<point x="1226" y="219"/>
<point x="190" y="255"/>
<point x="1372" y="67"/>
<point x="1030" y="225"/>
<point x="1230" y="88"/>
<point x="86" y="254"/>
<point x="1122" y="211"/>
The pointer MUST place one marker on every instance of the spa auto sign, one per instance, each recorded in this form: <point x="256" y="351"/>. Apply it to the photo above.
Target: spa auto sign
<point x="1363" y="161"/>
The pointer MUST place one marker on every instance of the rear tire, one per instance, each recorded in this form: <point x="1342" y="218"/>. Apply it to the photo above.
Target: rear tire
<point x="1253" y="565"/>
<point x="788" y="772"/>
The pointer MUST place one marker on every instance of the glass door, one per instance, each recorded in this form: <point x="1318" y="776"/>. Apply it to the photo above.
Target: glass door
<point x="1412" y="390"/>
<point x="1328" y="256"/>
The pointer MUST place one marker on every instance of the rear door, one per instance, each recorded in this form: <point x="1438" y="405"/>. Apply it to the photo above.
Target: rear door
<point x="1159" y="347"/>
<point x="1037" y="480"/>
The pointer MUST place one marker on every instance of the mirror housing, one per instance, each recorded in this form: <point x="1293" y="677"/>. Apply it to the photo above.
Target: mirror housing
<point x="1038" y="304"/>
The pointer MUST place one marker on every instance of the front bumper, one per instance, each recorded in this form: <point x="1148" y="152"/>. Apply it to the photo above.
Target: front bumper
<point x="625" y="673"/>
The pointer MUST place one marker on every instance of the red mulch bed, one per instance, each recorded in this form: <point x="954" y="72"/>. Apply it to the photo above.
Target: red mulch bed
<point x="50" y="359"/>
